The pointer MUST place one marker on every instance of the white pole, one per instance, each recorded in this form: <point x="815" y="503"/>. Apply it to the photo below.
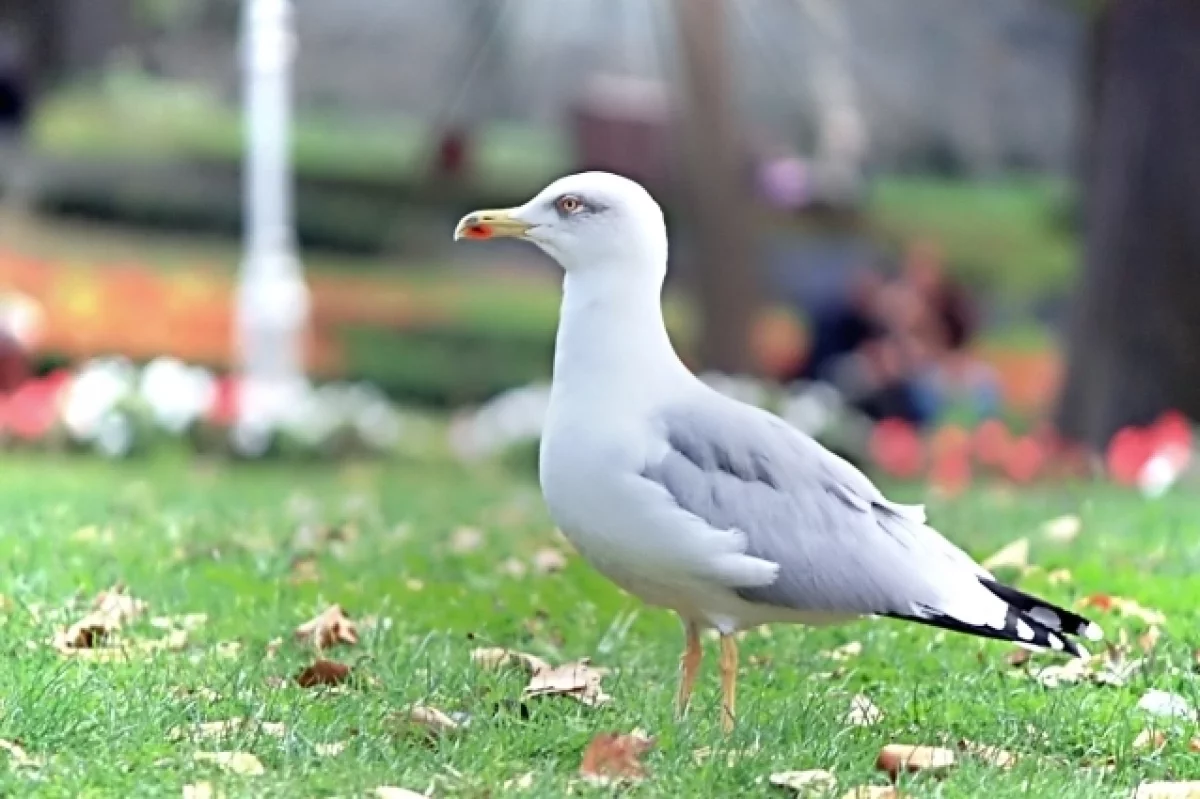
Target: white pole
<point x="272" y="299"/>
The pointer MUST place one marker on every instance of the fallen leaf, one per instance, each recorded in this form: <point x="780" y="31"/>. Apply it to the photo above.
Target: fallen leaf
<point x="90" y="632"/>
<point x="863" y="712"/>
<point x="549" y="561"/>
<point x="323" y="672"/>
<point x="1014" y="556"/>
<point x="1123" y="607"/>
<point x="17" y="756"/>
<point x="466" y="539"/>
<point x="389" y="792"/>
<point x="1018" y="657"/>
<point x="613" y="757"/>
<point x="304" y="570"/>
<point x="1149" y="639"/>
<point x="992" y="755"/>
<point x="431" y="720"/>
<point x="495" y="657"/>
<point x="1164" y="703"/>
<point x="200" y="790"/>
<point x="118" y="605"/>
<point x="845" y="651"/>
<point x="1059" y="577"/>
<point x="522" y="783"/>
<point x="514" y="567"/>
<point x="1150" y="739"/>
<point x="1167" y="790"/>
<point x="895" y="758"/>
<point x="241" y="763"/>
<point x="328" y="628"/>
<point x="330" y="749"/>
<point x="804" y="781"/>
<point x="1063" y="529"/>
<point x="732" y="756"/>
<point x="228" y="649"/>
<point x="578" y="680"/>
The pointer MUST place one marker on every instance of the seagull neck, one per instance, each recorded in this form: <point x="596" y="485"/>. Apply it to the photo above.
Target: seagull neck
<point x="611" y="334"/>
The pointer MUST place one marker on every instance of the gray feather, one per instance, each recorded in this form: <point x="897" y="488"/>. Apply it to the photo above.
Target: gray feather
<point x="841" y="546"/>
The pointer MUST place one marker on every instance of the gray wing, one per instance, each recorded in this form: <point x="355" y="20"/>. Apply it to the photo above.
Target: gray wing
<point x="840" y="544"/>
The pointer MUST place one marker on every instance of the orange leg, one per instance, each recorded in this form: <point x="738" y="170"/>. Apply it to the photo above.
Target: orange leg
<point x="729" y="665"/>
<point x="690" y="663"/>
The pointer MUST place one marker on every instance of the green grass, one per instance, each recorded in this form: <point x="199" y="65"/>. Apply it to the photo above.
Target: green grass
<point x="220" y="541"/>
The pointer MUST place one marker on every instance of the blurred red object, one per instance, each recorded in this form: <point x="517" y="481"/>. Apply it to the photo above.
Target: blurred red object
<point x="224" y="409"/>
<point x="951" y="472"/>
<point x="992" y="441"/>
<point x="453" y="148"/>
<point x="31" y="411"/>
<point x="950" y="438"/>
<point x="895" y="446"/>
<point x="1127" y="453"/>
<point x="1024" y="460"/>
<point x="1172" y="436"/>
<point x="14" y="363"/>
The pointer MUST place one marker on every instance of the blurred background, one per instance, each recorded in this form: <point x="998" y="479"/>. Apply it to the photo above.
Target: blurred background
<point x="942" y="236"/>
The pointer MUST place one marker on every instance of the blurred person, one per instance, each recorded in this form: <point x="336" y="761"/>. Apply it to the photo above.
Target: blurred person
<point x="841" y="323"/>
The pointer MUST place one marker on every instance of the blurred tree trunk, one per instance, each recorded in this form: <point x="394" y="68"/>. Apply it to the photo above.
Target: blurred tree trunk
<point x="1134" y="342"/>
<point x="725" y="263"/>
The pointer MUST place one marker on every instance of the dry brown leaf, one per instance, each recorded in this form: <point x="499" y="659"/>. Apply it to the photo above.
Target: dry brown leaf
<point x="431" y="720"/>
<point x="613" y="757"/>
<point x="863" y="712"/>
<point x="1064" y="529"/>
<point x="323" y="672"/>
<point x="1168" y="790"/>
<point x="514" y="567"/>
<point x="18" y="757"/>
<point x="1149" y="639"/>
<point x="330" y="749"/>
<point x="845" y="651"/>
<point x="872" y="792"/>
<point x="804" y="781"/>
<point x="90" y="632"/>
<point x="390" y="792"/>
<point x="118" y="605"/>
<point x="578" y="680"/>
<point x="1150" y="739"/>
<point x="241" y="763"/>
<point x="895" y="758"/>
<point x="328" y="628"/>
<point x="304" y="570"/>
<point x="522" y="783"/>
<point x="1014" y="555"/>
<point x="549" y="561"/>
<point x="1123" y="607"/>
<point x="1059" y="577"/>
<point x="1018" y="657"/>
<point x="992" y="755"/>
<point x="495" y="657"/>
<point x="466" y="539"/>
<point x="200" y="790"/>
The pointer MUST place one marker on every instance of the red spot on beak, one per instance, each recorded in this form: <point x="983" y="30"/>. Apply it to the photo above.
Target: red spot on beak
<point x="478" y="232"/>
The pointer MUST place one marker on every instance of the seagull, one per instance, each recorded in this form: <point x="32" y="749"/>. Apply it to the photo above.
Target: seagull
<point x="712" y="508"/>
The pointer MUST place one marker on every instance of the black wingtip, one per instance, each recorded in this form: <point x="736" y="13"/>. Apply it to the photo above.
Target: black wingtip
<point x="1051" y="616"/>
<point x="1019" y="628"/>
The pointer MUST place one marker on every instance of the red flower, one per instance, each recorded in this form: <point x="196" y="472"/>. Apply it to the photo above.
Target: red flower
<point x="1127" y="453"/>
<point x="1024" y="460"/>
<point x="992" y="442"/>
<point x="895" y="446"/>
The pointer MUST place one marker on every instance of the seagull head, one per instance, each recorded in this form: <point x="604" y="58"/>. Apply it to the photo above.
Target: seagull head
<point x="587" y="222"/>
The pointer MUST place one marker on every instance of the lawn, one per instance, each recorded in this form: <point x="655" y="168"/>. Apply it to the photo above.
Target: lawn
<point x="261" y="550"/>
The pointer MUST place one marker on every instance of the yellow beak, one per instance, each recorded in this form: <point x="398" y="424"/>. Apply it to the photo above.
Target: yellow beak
<point x="494" y="224"/>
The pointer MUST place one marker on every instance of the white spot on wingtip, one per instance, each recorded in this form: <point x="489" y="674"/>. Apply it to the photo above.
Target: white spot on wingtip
<point x="1024" y="630"/>
<point x="1055" y="642"/>
<point x="1093" y="632"/>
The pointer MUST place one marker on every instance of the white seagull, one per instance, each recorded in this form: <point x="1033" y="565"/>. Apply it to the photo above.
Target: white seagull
<point x="712" y="508"/>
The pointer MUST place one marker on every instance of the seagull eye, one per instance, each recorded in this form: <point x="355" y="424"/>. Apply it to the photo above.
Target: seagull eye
<point x="568" y="204"/>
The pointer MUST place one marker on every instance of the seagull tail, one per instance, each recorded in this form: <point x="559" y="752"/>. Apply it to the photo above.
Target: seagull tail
<point x="1019" y="628"/>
